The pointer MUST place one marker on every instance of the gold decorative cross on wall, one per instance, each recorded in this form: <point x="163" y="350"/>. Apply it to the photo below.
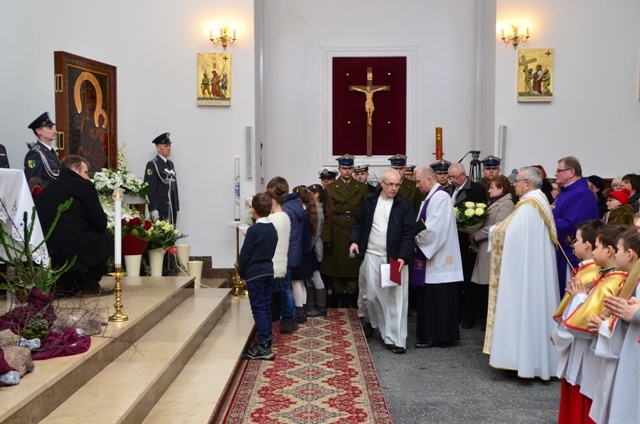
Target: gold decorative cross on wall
<point x="369" y="90"/>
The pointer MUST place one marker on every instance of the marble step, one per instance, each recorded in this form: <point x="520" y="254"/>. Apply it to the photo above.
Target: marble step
<point x="146" y="300"/>
<point x="197" y="391"/>
<point x="128" y="387"/>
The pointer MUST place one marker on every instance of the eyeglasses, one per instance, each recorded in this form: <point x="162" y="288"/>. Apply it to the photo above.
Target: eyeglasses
<point x="398" y="185"/>
<point x="519" y="180"/>
<point x="451" y="177"/>
<point x="562" y="170"/>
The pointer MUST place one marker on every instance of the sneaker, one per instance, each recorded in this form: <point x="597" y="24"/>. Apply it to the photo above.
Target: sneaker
<point x="260" y="351"/>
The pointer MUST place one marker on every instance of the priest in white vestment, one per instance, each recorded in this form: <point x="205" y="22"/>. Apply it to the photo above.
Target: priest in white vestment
<point x="384" y="230"/>
<point x="439" y="280"/>
<point x="523" y="284"/>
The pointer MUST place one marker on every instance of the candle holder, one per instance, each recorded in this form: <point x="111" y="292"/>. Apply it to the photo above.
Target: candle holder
<point x="239" y="289"/>
<point x="118" y="316"/>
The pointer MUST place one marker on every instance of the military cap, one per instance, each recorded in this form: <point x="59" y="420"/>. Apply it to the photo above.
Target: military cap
<point x="491" y="162"/>
<point x="41" y="121"/>
<point x="327" y="173"/>
<point x="398" y="161"/>
<point x="162" y="139"/>
<point x="410" y="168"/>
<point x="440" y="166"/>
<point x="361" y="168"/>
<point x="345" y="161"/>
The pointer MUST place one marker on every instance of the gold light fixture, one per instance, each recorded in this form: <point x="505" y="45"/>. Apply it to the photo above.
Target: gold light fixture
<point x="516" y="38"/>
<point x="224" y="37"/>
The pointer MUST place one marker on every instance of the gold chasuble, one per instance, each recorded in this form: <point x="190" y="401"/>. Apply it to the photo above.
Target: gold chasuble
<point x="588" y="273"/>
<point x="497" y="246"/>
<point x="608" y="285"/>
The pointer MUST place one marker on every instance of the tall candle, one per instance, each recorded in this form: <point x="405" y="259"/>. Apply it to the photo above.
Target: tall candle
<point x="117" y="256"/>
<point x="439" y="152"/>
<point x="236" y="173"/>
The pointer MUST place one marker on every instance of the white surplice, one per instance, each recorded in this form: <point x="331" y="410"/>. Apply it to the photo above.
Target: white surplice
<point x="527" y="291"/>
<point x="607" y="350"/>
<point x="625" y="407"/>
<point x="439" y="242"/>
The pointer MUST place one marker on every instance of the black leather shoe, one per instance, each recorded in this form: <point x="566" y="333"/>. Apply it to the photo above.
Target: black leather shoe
<point x="366" y="327"/>
<point x="425" y="345"/>
<point x="398" y="350"/>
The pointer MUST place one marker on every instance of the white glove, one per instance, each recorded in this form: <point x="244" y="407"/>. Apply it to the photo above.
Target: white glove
<point x="155" y="215"/>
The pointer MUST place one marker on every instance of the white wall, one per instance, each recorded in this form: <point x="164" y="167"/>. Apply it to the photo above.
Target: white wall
<point x="595" y="108"/>
<point x="154" y="46"/>
<point x="297" y="31"/>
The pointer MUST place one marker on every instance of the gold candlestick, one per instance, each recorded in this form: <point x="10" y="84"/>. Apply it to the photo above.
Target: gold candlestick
<point x="237" y="282"/>
<point x="118" y="316"/>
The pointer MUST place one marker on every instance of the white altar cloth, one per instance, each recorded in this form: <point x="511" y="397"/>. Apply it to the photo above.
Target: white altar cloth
<point x="15" y="200"/>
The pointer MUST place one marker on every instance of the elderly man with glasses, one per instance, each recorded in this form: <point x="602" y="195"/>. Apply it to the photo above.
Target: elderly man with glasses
<point x="523" y="284"/>
<point x="462" y="190"/>
<point x="384" y="230"/>
<point x="574" y="204"/>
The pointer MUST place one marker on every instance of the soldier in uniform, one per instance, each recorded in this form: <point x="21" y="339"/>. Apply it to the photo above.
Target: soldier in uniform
<point x="347" y="195"/>
<point x="490" y="170"/>
<point x="327" y="176"/>
<point x="41" y="161"/>
<point x="163" y="188"/>
<point x="410" y="173"/>
<point x="361" y="173"/>
<point x="442" y="172"/>
<point x="408" y="189"/>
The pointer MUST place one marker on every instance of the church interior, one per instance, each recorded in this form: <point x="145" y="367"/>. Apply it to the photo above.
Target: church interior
<point x="279" y="119"/>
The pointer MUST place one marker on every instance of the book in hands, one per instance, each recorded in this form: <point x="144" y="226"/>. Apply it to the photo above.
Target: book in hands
<point x="390" y="275"/>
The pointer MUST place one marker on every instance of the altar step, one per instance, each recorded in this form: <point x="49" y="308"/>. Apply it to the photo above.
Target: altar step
<point x="145" y="369"/>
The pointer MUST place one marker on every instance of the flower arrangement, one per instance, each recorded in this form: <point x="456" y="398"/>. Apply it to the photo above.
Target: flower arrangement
<point x="470" y="216"/>
<point x="163" y="235"/>
<point x="136" y="234"/>
<point x="107" y="180"/>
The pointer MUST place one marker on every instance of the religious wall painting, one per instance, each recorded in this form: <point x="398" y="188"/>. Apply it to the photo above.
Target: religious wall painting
<point x="213" y="81"/>
<point x="86" y="110"/>
<point x="369" y="105"/>
<point x="535" y="75"/>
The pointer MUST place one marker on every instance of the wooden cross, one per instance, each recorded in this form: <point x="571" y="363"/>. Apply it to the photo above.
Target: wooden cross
<point x="369" y="90"/>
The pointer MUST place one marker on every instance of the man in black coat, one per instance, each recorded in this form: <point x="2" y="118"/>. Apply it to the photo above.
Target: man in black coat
<point x="4" y="159"/>
<point x="163" y="188"/>
<point x="80" y="231"/>
<point x="384" y="230"/>
<point x="462" y="190"/>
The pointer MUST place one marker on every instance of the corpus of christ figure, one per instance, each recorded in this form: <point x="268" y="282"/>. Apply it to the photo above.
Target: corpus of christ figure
<point x="369" y="90"/>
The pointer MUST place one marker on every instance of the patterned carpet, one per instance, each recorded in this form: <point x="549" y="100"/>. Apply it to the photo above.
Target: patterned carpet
<point x="323" y="373"/>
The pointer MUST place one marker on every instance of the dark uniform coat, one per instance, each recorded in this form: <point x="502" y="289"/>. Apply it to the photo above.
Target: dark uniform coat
<point x="158" y="192"/>
<point x="81" y="229"/>
<point x="4" y="159"/>
<point x="42" y="162"/>
<point x="347" y="199"/>
<point x="470" y="192"/>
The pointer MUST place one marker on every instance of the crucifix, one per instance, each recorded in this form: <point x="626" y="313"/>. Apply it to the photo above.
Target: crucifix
<point x="369" y="90"/>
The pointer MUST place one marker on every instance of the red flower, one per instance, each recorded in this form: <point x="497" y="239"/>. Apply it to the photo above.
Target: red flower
<point x="148" y="225"/>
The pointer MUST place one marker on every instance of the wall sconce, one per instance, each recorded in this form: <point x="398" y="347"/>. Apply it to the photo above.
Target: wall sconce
<point x="516" y="38"/>
<point x="224" y="37"/>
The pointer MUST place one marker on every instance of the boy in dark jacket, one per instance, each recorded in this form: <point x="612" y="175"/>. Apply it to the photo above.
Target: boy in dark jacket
<point x="256" y="270"/>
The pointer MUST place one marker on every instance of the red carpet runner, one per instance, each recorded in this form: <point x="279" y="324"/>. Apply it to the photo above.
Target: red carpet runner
<point x="323" y="373"/>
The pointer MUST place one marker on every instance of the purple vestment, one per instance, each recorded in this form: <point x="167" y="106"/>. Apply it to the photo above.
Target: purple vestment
<point x="575" y="204"/>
